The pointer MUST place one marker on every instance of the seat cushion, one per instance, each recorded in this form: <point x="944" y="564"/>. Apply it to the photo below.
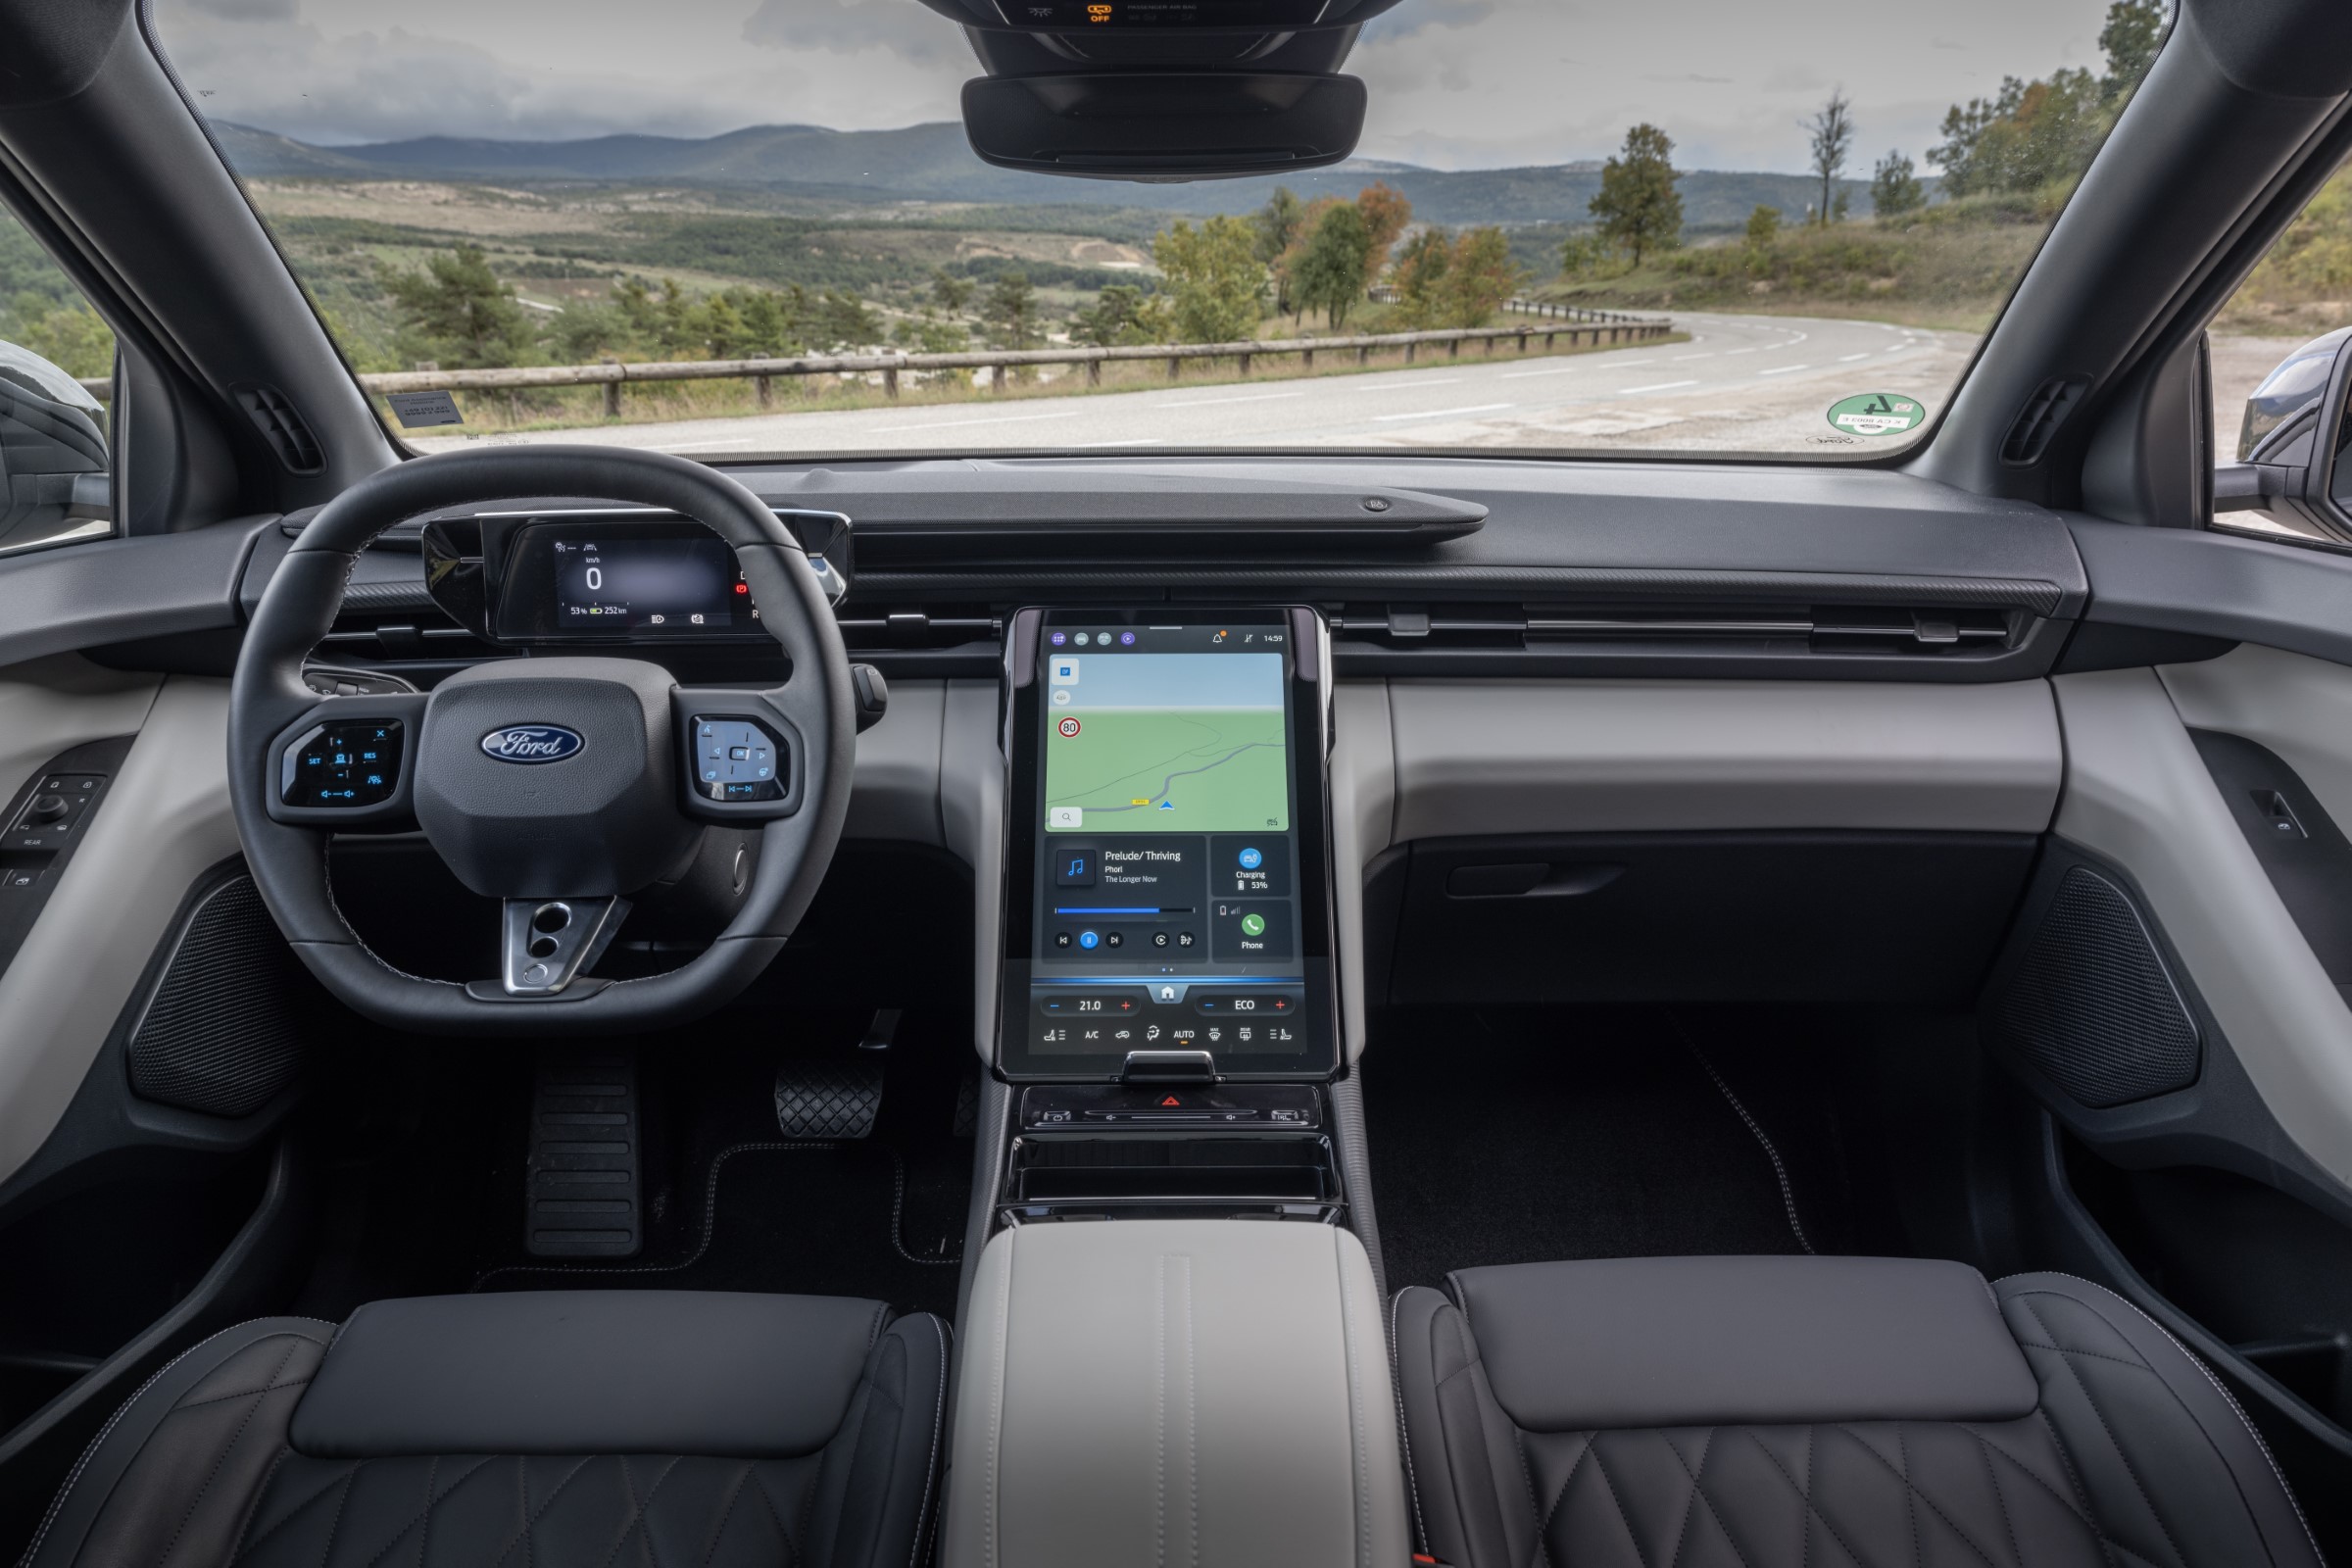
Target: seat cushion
<point x="1751" y="1412"/>
<point x="722" y="1429"/>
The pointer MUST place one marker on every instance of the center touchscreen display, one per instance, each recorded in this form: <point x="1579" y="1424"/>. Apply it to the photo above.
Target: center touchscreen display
<point x="1170" y="900"/>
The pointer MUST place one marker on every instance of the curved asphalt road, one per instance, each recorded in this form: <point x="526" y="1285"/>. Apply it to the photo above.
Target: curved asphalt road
<point x="1742" y="382"/>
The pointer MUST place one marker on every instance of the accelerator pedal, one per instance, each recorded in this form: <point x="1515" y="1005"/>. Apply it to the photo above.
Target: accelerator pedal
<point x="837" y="1096"/>
<point x="582" y="1186"/>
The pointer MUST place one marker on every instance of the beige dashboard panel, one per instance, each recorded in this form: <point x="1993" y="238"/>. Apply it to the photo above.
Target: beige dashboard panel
<point x="1583" y="756"/>
<point x="2138" y="793"/>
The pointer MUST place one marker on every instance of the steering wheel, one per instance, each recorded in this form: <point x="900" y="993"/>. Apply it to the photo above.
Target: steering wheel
<point x="560" y="785"/>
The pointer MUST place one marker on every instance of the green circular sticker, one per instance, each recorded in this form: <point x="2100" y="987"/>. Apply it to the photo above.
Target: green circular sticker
<point x="1876" y="413"/>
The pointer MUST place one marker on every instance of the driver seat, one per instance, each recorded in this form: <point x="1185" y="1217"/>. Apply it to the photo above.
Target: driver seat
<point x="608" y="1428"/>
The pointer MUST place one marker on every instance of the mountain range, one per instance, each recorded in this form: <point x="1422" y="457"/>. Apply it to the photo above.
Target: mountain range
<point x="935" y="163"/>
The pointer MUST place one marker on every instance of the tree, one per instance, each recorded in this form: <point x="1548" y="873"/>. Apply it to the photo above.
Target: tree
<point x="1275" y="227"/>
<point x="1832" y="130"/>
<point x="1454" y="282"/>
<point x="772" y="324"/>
<point x="1011" y="312"/>
<point x="1763" y="227"/>
<point x="460" y="311"/>
<point x="1479" y="277"/>
<point x="2133" y="32"/>
<point x="932" y="337"/>
<point x="1216" y="285"/>
<point x="1121" y="313"/>
<point x="950" y="292"/>
<point x="1386" y="214"/>
<point x="66" y="333"/>
<point x="2027" y="135"/>
<point x="1421" y="278"/>
<point x="1639" y="208"/>
<point x="1894" y="188"/>
<point x="843" y="319"/>
<point x="1583" y="253"/>
<point x="1331" y="268"/>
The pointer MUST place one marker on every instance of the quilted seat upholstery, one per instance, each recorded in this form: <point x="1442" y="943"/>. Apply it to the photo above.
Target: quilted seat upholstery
<point x="278" y="1444"/>
<point x="2044" y="1423"/>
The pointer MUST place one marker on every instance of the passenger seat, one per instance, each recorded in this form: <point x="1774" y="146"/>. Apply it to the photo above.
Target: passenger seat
<point x="1755" y="1412"/>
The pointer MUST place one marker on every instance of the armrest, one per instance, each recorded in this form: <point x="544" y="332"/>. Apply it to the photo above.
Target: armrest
<point x="1178" y="1390"/>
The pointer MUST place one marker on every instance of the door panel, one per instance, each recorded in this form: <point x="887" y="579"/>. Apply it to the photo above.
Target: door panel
<point x="164" y="819"/>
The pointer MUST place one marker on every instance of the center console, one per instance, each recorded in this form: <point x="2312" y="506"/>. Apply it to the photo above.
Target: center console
<point x="1168" y="1007"/>
<point x="1172" y="1387"/>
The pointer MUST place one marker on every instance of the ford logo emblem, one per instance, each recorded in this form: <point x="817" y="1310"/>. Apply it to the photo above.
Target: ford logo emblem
<point x="532" y="743"/>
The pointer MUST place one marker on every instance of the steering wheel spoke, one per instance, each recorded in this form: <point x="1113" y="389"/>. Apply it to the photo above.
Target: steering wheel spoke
<point x="347" y="764"/>
<point x="544" y="944"/>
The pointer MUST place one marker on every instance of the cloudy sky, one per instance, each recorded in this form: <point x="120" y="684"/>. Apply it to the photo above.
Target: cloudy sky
<point x="1456" y="83"/>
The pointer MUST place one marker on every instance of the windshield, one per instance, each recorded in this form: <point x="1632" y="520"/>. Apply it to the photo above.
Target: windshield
<point x="757" y="226"/>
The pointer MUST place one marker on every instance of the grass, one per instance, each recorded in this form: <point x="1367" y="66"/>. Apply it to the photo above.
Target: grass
<point x="668" y="402"/>
<point x="1949" y="267"/>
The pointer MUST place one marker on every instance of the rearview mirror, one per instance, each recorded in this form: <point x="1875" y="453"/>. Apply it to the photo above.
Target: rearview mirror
<point x="2292" y="448"/>
<point x="1155" y="126"/>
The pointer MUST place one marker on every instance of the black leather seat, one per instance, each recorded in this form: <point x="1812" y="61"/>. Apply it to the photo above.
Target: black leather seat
<point x="1759" y="1411"/>
<point x="594" y="1429"/>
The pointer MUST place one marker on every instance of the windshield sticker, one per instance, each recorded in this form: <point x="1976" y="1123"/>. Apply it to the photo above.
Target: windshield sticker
<point x="1876" y="413"/>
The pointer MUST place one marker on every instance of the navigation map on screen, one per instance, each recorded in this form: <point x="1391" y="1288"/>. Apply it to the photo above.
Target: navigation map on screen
<point x="1165" y="742"/>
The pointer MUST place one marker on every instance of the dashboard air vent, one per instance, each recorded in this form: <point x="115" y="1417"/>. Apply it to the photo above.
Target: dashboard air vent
<point x="283" y="427"/>
<point x="881" y="629"/>
<point x="2039" y="421"/>
<point x="1925" y="631"/>
<point x="392" y="636"/>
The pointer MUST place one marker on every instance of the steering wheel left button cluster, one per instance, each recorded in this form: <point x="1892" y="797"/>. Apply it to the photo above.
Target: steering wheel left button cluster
<point x="344" y="766"/>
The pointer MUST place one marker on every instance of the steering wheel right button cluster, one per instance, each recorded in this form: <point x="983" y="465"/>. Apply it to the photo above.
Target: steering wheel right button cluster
<point x="736" y="761"/>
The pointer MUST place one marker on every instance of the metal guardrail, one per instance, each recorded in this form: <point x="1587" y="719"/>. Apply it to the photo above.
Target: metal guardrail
<point x="612" y="375"/>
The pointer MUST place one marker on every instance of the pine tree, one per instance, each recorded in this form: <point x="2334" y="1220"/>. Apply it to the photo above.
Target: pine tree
<point x="1639" y="208"/>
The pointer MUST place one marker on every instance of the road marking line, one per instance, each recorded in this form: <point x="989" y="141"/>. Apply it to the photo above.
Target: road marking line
<point x="1728" y="353"/>
<point x="709" y="445"/>
<point x="1662" y="387"/>
<point x="1678" y="357"/>
<point x="1785" y="369"/>
<point x="1521" y="375"/>
<point x="1849" y="358"/>
<point x="1210" y="402"/>
<point x="1401" y="386"/>
<point x="1441" y="413"/>
<point x="1141" y="441"/>
<point x="1001" y="419"/>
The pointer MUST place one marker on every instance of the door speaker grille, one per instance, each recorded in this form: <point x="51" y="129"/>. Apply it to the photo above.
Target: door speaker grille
<point x="222" y="1032"/>
<point x="2092" y="1007"/>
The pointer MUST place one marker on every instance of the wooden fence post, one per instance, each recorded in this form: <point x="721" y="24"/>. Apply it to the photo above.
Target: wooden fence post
<point x="996" y="378"/>
<point x="1175" y="366"/>
<point x="1307" y="358"/>
<point x="1094" y="372"/>
<point x="1363" y="354"/>
<point x="1244" y="364"/>
<point x="763" y="390"/>
<point x="1408" y="352"/>
<point x="1453" y="348"/>
<point x="890" y="381"/>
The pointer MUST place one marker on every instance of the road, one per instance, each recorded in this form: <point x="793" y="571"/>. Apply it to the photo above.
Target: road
<point x="1741" y="383"/>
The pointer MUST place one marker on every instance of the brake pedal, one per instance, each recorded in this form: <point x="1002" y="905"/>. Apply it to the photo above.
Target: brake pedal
<point x="582" y="1185"/>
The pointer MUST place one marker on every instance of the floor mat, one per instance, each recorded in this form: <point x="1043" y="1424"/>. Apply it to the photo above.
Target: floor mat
<point x="1517" y="1138"/>
<point x="821" y="1219"/>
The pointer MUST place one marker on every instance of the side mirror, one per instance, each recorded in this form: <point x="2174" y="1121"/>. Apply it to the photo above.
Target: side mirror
<point x="54" y="466"/>
<point x="2292" y="448"/>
